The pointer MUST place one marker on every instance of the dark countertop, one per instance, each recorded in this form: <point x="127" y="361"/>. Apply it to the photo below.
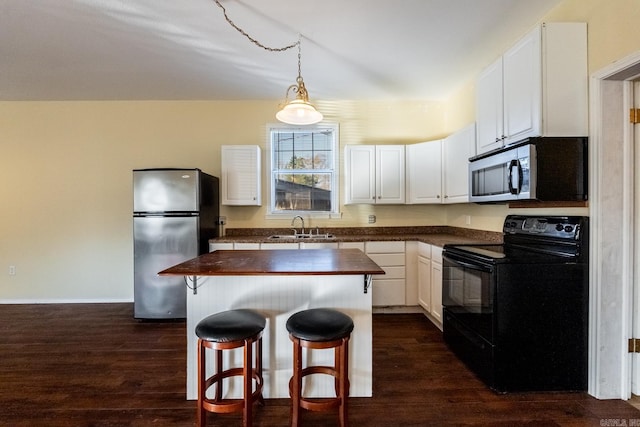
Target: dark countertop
<point x="282" y="262"/>
<point x="433" y="235"/>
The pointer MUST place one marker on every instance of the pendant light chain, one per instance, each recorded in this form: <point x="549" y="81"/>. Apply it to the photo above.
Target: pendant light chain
<point x="256" y="42"/>
<point x="298" y="111"/>
<point x="299" y="55"/>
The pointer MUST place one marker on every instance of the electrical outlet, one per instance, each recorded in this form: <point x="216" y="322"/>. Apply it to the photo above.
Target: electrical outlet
<point x="12" y="270"/>
<point x="222" y="220"/>
<point x="372" y="219"/>
<point x="467" y="219"/>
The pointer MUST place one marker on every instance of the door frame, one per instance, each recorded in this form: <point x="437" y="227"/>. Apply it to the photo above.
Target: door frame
<point x="611" y="206"/>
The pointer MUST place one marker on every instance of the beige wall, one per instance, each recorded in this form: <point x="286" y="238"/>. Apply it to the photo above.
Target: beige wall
<point x="66" y="167"/>
<point x="66" y="174"/>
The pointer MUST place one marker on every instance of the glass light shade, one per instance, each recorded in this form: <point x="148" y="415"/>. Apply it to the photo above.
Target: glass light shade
<point x="299" y="112"/>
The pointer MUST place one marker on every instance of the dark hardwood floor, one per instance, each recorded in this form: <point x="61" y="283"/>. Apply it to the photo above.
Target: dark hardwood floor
<point x="94" y="365"/>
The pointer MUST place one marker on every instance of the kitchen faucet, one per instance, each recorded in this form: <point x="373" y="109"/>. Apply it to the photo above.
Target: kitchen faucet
<point x="294" y="220"/>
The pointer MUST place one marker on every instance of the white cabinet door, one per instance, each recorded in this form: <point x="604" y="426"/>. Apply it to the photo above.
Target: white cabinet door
<point x="522" y="86"/>
<point x="539" y="87"/>
<point x="411" y="273"/>
<point x="240" y="180"/>
<point x="424" y="283"/>
<point x="424" y="172"/>
<point x="390" y="173"/>
<point x="374" y="174"/>
<point x="489" y="108"/>
<point x="360" y="174"/>
<point x="436" y="291"/>
<point x="457" y="148"/>
<point x="436" y="284"/>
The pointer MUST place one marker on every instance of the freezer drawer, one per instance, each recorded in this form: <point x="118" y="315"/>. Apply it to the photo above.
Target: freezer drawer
<point x="159" y="243"/>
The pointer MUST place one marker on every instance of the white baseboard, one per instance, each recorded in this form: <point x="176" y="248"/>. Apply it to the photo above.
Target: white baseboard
<point x="63" y="301"/>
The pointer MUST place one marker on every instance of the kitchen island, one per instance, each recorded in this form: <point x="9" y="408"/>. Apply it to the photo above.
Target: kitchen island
<point x="279" y="284"/>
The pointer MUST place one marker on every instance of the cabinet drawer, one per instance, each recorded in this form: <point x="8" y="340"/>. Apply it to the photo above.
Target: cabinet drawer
<point x="388" y="292"/>
<point x="384" y="260"/>
<point x="351" y="245"/>
<point x="246" y="246"/>
<point x="393" y="273"/>
<point x="220" y="246"/>
<point x="319" y="245"/>
<point x="436" y="254"/>
<point x="279" y="246"/>
<point x="384" y="247"/>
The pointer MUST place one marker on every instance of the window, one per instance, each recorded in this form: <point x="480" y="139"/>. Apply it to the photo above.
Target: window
<point x="304" y="177"/>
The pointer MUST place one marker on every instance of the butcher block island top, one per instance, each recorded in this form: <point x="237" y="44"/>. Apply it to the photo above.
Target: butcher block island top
<point x="280" y="262"/>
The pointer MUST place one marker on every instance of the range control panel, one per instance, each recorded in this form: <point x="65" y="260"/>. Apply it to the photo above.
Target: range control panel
<point x="565" y="227"/>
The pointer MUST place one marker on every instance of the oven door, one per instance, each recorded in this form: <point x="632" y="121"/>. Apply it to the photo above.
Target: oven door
<point x="467" y="293"/>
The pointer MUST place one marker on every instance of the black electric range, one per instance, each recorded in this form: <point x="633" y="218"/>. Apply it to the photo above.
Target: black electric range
<point x="517" y="313"/>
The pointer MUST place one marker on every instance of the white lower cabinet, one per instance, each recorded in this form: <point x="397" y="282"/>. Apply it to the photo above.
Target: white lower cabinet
<point x="388" y="289"/>
<point x="220" y="246"/>
<point x="276" y="246"/>
<point x="318" y="245"/>
<point x="430" y="281"/>
<point x="424" y="276"/>
<point x="246" y="245"/>
<point x="351" y="245"/>
<point x="436" y="283"/>
<point x="399" y="286"/>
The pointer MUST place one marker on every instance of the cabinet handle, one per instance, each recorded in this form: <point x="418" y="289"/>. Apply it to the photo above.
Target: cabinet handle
<point x="438" y="196"/>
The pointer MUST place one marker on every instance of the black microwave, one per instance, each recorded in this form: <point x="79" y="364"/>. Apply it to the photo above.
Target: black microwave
<point x="542" y="168"/>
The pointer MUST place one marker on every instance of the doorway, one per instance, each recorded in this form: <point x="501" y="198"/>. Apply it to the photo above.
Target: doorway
<point x="614" y="202"/>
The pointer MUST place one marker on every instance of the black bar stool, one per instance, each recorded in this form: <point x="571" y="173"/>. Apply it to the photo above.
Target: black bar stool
<point x="225" y="331"/>
<point x="320" y="328"/>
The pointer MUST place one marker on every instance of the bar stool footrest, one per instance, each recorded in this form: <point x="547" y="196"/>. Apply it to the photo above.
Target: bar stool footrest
<point x="225" y="406"/>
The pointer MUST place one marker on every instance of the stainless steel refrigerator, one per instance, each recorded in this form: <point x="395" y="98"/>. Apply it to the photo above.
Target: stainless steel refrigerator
<point x="175" y="213"/>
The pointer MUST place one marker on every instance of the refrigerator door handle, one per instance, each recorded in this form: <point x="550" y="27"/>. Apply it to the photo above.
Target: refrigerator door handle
<point x="164" y="214"/>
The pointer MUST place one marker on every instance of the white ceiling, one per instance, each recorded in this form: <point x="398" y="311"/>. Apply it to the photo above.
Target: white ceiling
<point x="185" y="50"/>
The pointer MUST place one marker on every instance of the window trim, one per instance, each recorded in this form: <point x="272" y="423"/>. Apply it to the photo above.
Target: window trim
<point x="335" y="181"/>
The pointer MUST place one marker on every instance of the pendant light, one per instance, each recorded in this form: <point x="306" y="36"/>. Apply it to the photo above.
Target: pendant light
<point x="298" y="111"/>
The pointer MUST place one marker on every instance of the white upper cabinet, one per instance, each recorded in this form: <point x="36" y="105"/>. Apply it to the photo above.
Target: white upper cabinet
<point x="438" y="171"/>
<point x="537" y="88"/>
<point x="489" y="108"/>
<point x="457" y="148"/>
<point x="424" y="172"/>
<point x="374" y="174"/>
<point x="241" y="175"/>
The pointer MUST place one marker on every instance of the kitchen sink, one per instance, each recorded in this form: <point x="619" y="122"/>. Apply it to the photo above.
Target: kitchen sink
<point x="301" y="236"/>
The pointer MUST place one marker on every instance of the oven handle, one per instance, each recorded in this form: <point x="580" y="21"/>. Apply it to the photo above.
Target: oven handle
<point x="466" y="264"/>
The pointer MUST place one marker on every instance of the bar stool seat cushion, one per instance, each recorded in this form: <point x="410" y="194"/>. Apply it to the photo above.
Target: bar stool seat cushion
<point x="232" y="325"/>
<point x="319" y="324"/>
